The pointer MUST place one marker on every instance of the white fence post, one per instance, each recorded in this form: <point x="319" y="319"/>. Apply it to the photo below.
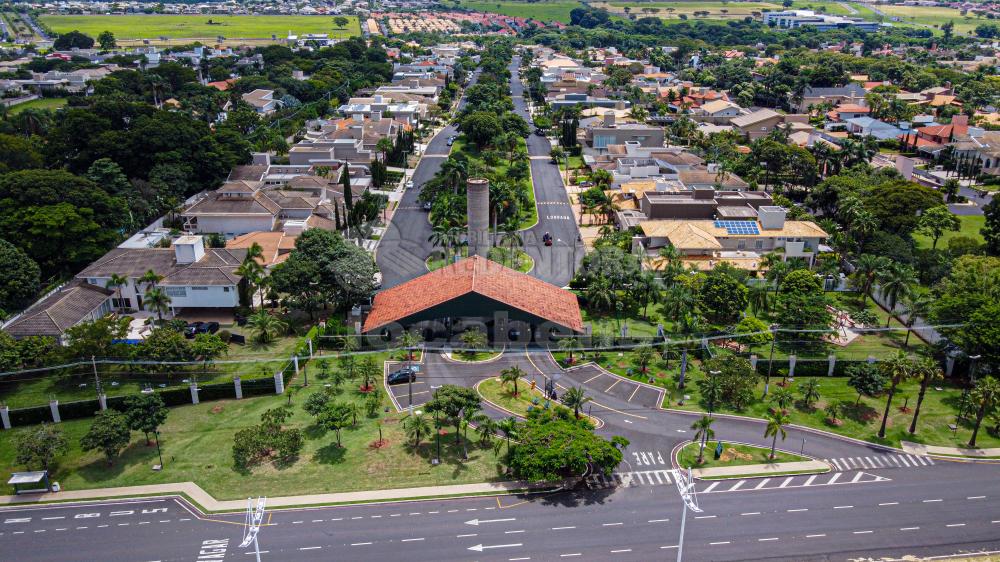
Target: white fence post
<point x="54" y="406"/>
<point x="279" y="382"/>
<point x="753" y="362"/>
<point x="5" y="416"/>
<point x="102" y="399"/>
<point x="238" y="385"/>
<point x="194" y="393"/>
<point x="791" y="366"/>
<point x="833" y="361"/>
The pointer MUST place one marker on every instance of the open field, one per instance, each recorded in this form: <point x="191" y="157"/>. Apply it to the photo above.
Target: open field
<point x="555" y="10"/>
<point x="197" y="446"/>
<point x="190" y="27"/>
<point x="971" y="225"/>
<point x="932" y="16"/>
<point x="41" y="103"/>
<point x="717" y="9"/>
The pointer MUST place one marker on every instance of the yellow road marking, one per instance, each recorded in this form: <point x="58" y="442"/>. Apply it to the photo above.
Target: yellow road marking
<point x="612" y="385"/>
<point x="637" y="387"/>
<point x="598" y="375"/>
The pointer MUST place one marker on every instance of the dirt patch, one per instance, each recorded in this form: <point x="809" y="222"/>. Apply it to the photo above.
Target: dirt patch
<point x="217" y="409"/>
<point x="732" y="454"/>
<point x="378" y="444"/>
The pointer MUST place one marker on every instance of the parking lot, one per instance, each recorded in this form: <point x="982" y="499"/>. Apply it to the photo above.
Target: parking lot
<point x="401" y="392"/>
<point x="619" y="387"/>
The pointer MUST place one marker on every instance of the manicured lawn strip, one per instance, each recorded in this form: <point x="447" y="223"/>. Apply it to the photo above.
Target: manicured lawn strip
<point x="197" y="26"/>
<point x="971" y="226"/>
<point x="688" y="456"/>
<point x="475" y="356"/>
<point x="197" y="446"/>
<point x="503" y="395"/>
<point x="861" y="420"/>
<point x="41" y="103"/>
<point x="521" y="260"/>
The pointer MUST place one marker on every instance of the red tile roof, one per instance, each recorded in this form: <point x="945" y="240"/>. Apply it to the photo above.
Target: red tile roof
<point x="484" y="277"/>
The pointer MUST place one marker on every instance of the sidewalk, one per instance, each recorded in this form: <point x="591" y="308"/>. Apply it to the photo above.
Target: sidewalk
<point x="921" y="449"/>
<point x="759" y="469"/>
<point x="209" y="504"/>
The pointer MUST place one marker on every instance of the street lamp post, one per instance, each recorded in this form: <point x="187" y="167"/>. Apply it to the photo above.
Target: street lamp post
<point x="156" y="435"/>
<point x="770" y="361"/>
<point x="685" y="487"/>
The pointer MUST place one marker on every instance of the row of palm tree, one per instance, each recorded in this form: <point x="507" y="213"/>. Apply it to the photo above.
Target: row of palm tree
<point x="897" y="284"/>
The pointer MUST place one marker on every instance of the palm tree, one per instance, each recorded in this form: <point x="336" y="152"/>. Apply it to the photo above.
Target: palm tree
<point x="575" y="397"/>
<point x="758" y="297"/>
<point x="679" y="301"/>
<point x="869" y="268"/>
<point x="265" y="328"/>
<point x="511" y="238"/>
<point x="648" y="289"/>
<point x="117" y="281"/>
<point x="409" y="340"/>
<point x="511" y="375"/>
<point x="672" y="266"/>
<point x="600" y="294"/>
<point x="689" y="325"/>
<point x="915" y="305"/>
<point x="776" y="422"/>
<point x="984" y="396"/>
<point x="928" y="370"/>
<point x="417" y="427"/>
<point x="159" y="301"/>
<point x="487" y="429"/>
<point x="897" y="282"/>
<point x="896" y="369"/>
<point x="253" y="273"/>
<point x="703" y="432"/>
<point x="782" y="398"/>
<point x="568" y="344"/>
<point x="810" y="392"/>
<point x="440" y="236"/>
<point x="509" y="428"/>
<point x="384" y="145"/>
<point x="473" y="339"/>
<point x="151" y="278"/>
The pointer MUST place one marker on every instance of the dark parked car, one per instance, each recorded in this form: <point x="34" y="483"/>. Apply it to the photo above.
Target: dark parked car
<point x="193" y="328"/>
<point x="427" y="206"/>
<point x="540" y="132"/>
<point x="208" y="328"/>
<point x="401" y="376"/>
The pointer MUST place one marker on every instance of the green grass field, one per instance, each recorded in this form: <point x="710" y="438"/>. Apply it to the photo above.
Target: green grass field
<point x="41" y="103"/>
<point x="197" y="446"/>
<point x="546" y="10"/>
<point x="932" y="16"/>
<point x="717" y="9"/>
<point x="189" y="27"/>
<point x="971" y="225"/>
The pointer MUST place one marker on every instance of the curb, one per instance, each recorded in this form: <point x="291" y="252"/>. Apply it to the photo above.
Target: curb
<point x="677" y="448"/>
<point x="447" y="356"/>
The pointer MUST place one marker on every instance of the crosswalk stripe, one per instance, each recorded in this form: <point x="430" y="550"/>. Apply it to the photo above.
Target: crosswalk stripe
<point x="879" y="461"/>
<point x="836" y="464"/>
<point x="895" y="460"/>
<point x="902" y="459"/>
<point x="870" y="461"/>
<point x="930" y="460"/>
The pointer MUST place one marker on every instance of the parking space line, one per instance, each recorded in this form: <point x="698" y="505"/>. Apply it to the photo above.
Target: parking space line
<point x="612" y="385"/>
<point x="598" y="375"/>
<point x="637" y="387"/>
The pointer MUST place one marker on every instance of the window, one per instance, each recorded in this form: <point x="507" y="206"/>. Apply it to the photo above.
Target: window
<point x="121" y="303"/>
<point x="199" y="288"/>
<point x="225" y="289"/>
<point x="741" y="244"/>
<point x="176" y="291"/>
<point x="758" y="244"/>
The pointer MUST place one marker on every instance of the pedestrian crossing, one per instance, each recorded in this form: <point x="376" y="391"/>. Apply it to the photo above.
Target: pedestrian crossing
<point x="630" y="479"/>
<point x="788" y="482"/>
<point x="873" y="462"/>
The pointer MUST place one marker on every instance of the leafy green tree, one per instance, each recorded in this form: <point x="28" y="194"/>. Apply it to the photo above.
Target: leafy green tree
<point x="37" y="447"/>
<point x="368" y="370"/>
<point x="575" y="397"/>
<point x="107" y="41"/>
<point x="776" y="422"/>
<point x="809" y="392"/>
<point x="802" y="282"/>
<point x="450" y="401"/>
<point x="643" y="355"/>
<point x="869" y="269"/>
<point x="991" y="227"/>
<point x="736" y="379"/>
<point x="95" y="338"/>
<point x="866" y="379"/>
<point x="335" y="418"/>
<point x="936" y="221"/>
<point x="985" y="397"/>
<point x="109" y="433"/>
<point x="341" y="22"/>
<point x="481" y="127"/>
<point x="19" y="277"/>
<point x="17" y="153"/>
<point x="757" y="331"/>
<point x="373" y="403"/>
<point x="317" y="403"/>
<point x="145" y="413"/>
<point x="550" y="448"/>
<point x="833" y="411"/>
<point x="722" y="298"/>
<point x="165" y="344"/>
<point x="72" y="39"/>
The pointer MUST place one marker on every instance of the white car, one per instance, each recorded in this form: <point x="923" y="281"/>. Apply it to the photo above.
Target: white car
<point x="409" y="184"/>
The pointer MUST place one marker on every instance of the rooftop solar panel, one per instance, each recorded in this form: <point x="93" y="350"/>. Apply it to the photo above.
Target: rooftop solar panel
<point x="738" y="227"/>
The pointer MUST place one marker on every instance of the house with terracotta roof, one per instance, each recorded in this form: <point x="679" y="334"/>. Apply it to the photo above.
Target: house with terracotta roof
<point x="476" y="293"/>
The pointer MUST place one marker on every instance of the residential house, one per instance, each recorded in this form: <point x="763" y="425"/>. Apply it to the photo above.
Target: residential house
<point x="76" y="303"/>
<point x="869" y="127"/>
<point x="263" y="101"/>
<point x="850" y="93"/>
<point x="608" y="131"/>
<point x="717" y="112"/>
<point x="761" y="122"/>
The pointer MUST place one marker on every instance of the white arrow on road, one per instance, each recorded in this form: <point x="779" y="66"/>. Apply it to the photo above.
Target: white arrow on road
<point x="480" y="548"/>
<point x="478" y="521"/>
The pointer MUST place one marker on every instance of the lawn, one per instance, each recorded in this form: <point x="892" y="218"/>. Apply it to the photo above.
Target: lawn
<point x="546" y="10"/>
<point x="971" y="225"/>
<point x="40" y="103"/>
<point x="717" y="9"/>
<point x="688" y="456"/>
<point x="198" y="26"/>
<point x="529" y="214"/>
<point x="861" y="418"/>
<point x="503" y="395"/>
<point x="197" y="446"/>
<point x="932" y="16"/>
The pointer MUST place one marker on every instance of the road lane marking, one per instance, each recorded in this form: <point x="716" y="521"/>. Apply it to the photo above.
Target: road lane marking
<point x="621" y="550"/>
<point x="932" y="501"/>
<point x="657" y="521"/>
<point x="787" y="481"/>
<point x="612" y="385"/>
<point x="810" y="480"/>
<point x="909" y="528"/>
<point x="637" y="387"/>
<point x="522" y="558"/>
<point x="562" y="528"/>
<point x="863" y="532"/>
<point x="833" y="480"/>
<point x="569" y="555"/>
<point x="767" y="539"/>
<point x="815" y="536"/>
<point x="737" y="485"/>
<point x="309" y="547"/>
<point x="710" y="488"/>
<point x="796" y="510"/>
<point x="857" y="477"/>
<point x="889" y="503"/>
<point x="513" y="532"/>
<point x="53" y="518"/>
<point x="706" y="517"/>
<point x="411" y="540"/>
<point x="976" y="498"/>
<point x="843" y="507"/>
<point x="611" y="524"/>
<point x="751" y="513"/>
<point x="341" y="518"/>
<point x="593" y="377"/>
<point x="464" y="536"/>
<point x="762" y="483"/>
<point x="719" y="542"/>
<point x="360" y="543"/>
<point x="668" y="546"/>
<point x="956" y="525"/>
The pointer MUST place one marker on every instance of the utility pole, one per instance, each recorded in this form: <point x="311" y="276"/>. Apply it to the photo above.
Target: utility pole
<point x="97" y="379"/>
<point x="770" y="362"/>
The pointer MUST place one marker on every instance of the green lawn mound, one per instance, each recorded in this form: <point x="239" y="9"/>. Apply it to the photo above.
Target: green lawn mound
<point x="518" y="259"/>
<point x="475" y="356"/>
<point x="732" y="455"/>
<point x="503" y="395"/>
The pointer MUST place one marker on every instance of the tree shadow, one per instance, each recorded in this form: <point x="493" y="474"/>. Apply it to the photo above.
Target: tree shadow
<point x="861" y="413"/>
<point x="137" y="453"/>
<point x="314" y="431"/>
<point x="330" y="454"/>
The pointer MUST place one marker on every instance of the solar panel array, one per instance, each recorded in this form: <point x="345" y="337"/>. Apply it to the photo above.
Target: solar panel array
<point x="738" y="227"/>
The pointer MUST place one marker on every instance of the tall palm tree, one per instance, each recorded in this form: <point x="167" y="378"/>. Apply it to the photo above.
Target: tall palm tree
<point x="672" y="266"/>
<point x="487" y="429"/>
<point x="896" y="369"/>
<point x="441" y="237"/>
<point x="600" y="294"/>
<point x="575" y="397"/>
<point x="759" y="296"/>
<point x="509" y="428"/>
<point x="417" y="427"/>
<point x="915" y="305"/>
<point x="928" y="370"/>
<point x="869" y="268"/>
<point x="985" y="396"/>
<point x="116" y="281"/>
<point x="569" y="345"/>
<point x="159" y="301"/>
<point x="409" y="340"/>
<point x="678" y="302"/>
<point x="511" y="375"/>
<point x="264" y="327"/>
<point x="776" y="422"/>
<point x="253" y="273"/>
<point x="510" y="238"/>
<point x="648" y="289"/>
<point x="689" y="325"/>
<point x="703" y="432"/>
<point x="896" y="283"/>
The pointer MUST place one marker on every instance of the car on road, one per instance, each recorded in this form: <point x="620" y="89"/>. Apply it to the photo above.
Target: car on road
<point x="409" y="184"/>
<point x="547" y="239"/>
<point x="427" y="206"/>
<point x="451" y="142"/>
<point x="540" y="132"/>
<point x="403" y="375"/>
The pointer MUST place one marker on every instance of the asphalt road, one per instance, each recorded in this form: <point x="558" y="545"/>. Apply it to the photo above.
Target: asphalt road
<point x="404" y="248"/>
<point x="875" y="504"/>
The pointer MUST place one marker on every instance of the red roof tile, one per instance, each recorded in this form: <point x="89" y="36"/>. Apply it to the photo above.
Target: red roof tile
<point x="484" y="277"/>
